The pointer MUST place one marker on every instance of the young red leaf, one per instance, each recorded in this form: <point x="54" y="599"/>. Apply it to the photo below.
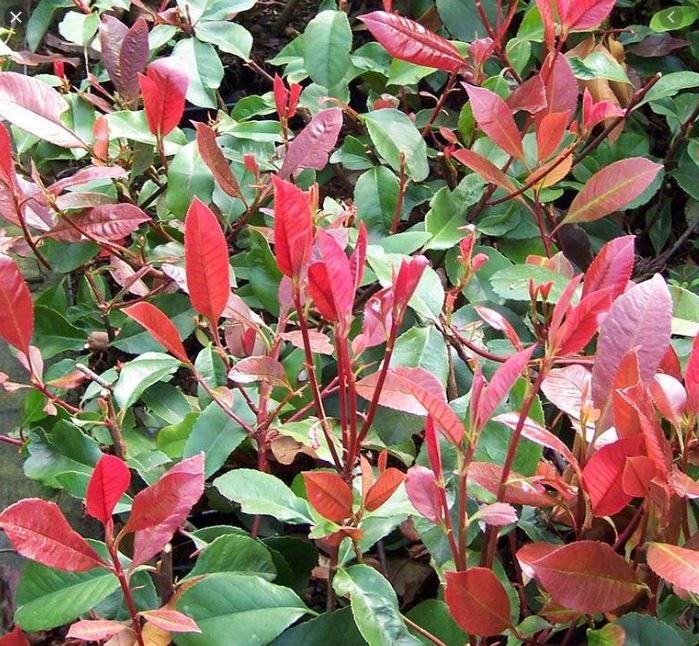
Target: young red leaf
<point x="395" y="393"/>
<point x="93" y="630"/>
<point x="588" y="577"/>
<point x="124" y="53"/>
<point x="407" y="280"/>
<point x="280" y="95"/>
<point x="669" y="397"/>
<point x="15" y="638"/>
<point x="549" y="133"/>
<point x="410" y="41"/>
<point x="494" y="118"/>
<point x="501" y="384"/>
<point x="583" y="14"/>
<point x="497" y="514"/>
<point x="212" y="156"/>
<point x="434" y="453"/>
<point x="16" y="307"/>
<point x="164" y="87"/>
<point x="171" y="620"/>
<point x="532" y="552"/>
<point x="691" y="378"/>
<point x="612" y="267"/>
<point x="498" y="322"/>
<point x="486" y="169"/>
<point x="160" y="509"/>
<point x="478" y="601"/>
<point x="596" y="112"/>
<point x="313" y="145"/>
<point x="639" y="470"/>
<point x="530" y="96"/>
<point x="677" y="565"/>
<point x="612" y="188"/>
<point x="384" y="487"/>
<point x="252" y="369"/>
<point x="329" y="495"/>
<point x="642" y="319"/>
<point x="109" y="482"/>
<point x="561" y="86"/>
<point x="582" y="322"/>
<point x="160" y="326"/>
<point x="568" y="389"/>
<point x="602" y="475"/>
<point x="110" y="222"/>
<point x="39" y="531"/>
<point x="519" y="490"/>
<point x="546" y="12"/>
<point x="206" y="261"/>
<point x="34" y="106"/>
<point x="423" y="493"/>
<point x="293" y="227"/>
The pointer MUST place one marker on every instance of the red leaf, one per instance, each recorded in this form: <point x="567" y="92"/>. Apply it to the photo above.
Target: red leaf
<point x="110" y="222"/>
<point x="384" y="487"/>
<point x="669" y="397"/>
<point x="93" y="630"/>
<point x="639" y="470"/>
<point x="584" y="14"/>
<point x="331" y="283"/>
<point x="612" y="267"/>
<point x="206" y="261"/>
<point x="406" y="282"/>
<point x="109" y="482"/>
<point x="568" y="389"/>
<point x="39" y="531"/>
<point x="171" y="621"/>
<point x="280" y="95"/>
<point x="587" y="576"/>
<point x="423" y="493"/>
<point x="532" y="552"/>
<point x="293" y="227"/>
<point x="434" y="453"/>
<point x="486" y="169"/>
<point x="501" y="384"/>
<point x="677" y="565"/>
<point x="691" y="374"/>
<point x="16" y="307"/>
<point x="410" y="41"/>
<point x="546" y="12"/>
<point x="530" y="96"/>
<point x="602" y="475"/>
<point x="642" y="319"/>
<point x="124" y="53"/>
<point x="160" y="326"/>
<point x="212" y="156"/>
<point x="518" y="491"/>
<point x="478" y="601"/>
<point x="495" y="119"/>
<point x="164" y="87"/>
<point x="15" y="638"/>
<point x="313" y="145"/>
<point x="549" y="133"/>
<point x="581" y="323"/>
<point x="320" y="343"/>
<point x="497" y="514"/>
<point x="253" y="369"/>
<point x="329" y="495"/>
<point x="612" y="188"/>
<point x="395" y="394"/>
<point x="498" y="322"/>
<point x="596" y="112"/>
<point x="561" y="86"/>
<point x="160" y="509"/>
<point x="31" y="105"/>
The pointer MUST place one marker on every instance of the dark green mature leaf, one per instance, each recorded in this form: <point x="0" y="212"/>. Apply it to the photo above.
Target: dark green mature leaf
<point x="374" y="606"/>
<point x="248" y="609"/>
<point x="54" y="334"/>
<point x="327" y="44"/>
<point x="229" y="37"/>
<point x="433" y="615"/>
<point x="376" y="197"/>
<point x="238" y="554"/>
<point x="339" y="624"/>
<point x="139" y="374"/>
<point x="188" y="177"/>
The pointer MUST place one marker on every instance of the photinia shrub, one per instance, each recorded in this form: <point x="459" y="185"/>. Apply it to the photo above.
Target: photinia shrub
<point x="395" y="345"/>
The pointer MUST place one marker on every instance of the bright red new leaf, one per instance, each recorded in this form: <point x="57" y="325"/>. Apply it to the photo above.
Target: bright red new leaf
<point x="329" y="495"/>
<point x="486" y="169"/>
<point x="109" y="482"/>
<point x="206" y="261"/>
<point x="587" y="576"/>
<point x="16" y="307"/>
<point x="212" y="156"/>
<point x="39" y="531"/>
<point x="410" y="41"/>
<point x="423" y="493"/>
<point x="612" y="267"/>
<point x="14" y="638"/>
<point x="494" y="118"/>
<point x="583" y="14"/>
<point x="384" y="487"/>
<point x="164" y="87"/>
<point x="639" y="470"/>
<point x="677" y="565"/>
<point x="293" y="228"/>
<point x="549" y="133"/>
<point x="478" y="601"/>
<point x="160" y="326"/>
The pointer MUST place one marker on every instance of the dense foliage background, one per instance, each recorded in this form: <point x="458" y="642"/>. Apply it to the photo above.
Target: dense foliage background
<point x="353" y="322"/>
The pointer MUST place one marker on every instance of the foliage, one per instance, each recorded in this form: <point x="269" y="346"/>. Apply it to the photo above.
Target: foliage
<point x="368" y="354"/>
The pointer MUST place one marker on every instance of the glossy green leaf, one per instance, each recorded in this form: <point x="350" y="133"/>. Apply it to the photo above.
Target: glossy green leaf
<point x="139" y="374"/>
<point x="327" y="44"/>
<point x="227" y="36"/>
<point x="237" y="554"/>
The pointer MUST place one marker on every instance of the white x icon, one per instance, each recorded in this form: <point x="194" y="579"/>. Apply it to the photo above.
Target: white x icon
<point x="15" y="17"/>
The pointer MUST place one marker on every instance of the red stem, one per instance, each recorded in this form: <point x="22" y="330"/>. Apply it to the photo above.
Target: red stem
<point x="126" y="590"/>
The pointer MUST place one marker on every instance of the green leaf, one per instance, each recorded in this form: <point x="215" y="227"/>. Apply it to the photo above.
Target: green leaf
<point x="674" y="18"/>
<point x="171" y="439"/>
<point x="132" y="124"/>
<point x="352" y="154"/>
<point x="48" y="598"/>
<point x="40" y="19"/>
<point x="462" y="19"/>
<point x="394" y="133"/>
<point x="340" y="624"/>
<point x="512" y="283"/>
<point x="644" y="630"/>
<point x="246" y="609"/>
<point x="139" y="374"/>
<point x="327" y="44"/>
<point x="79" y="28"/>
<point x="669" y="85"/>
<point x="422" y="347"/>
<point x="229" y="37"/>
<point x="187" y="177"/>
<point x="204" y="68"/>
<point x="217" y="435"/>
<point x="685" y="316"/>
<point x="447" y="215"/>
<point x="433" y="615"/>
<point x="234" y="553"/>
<point x="598" y="66"/>
<point x="374" y="606"/>
<point x="53" y="333"/>
<point x="376" y="197"/>
<point x="262" y="493"/>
